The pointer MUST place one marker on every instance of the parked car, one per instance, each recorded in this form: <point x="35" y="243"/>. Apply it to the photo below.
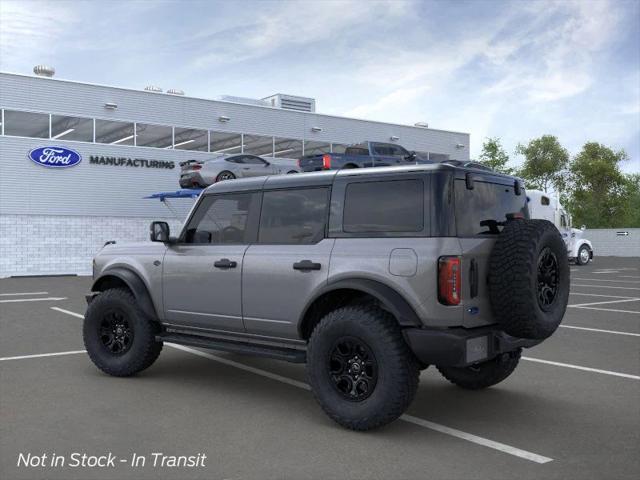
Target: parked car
<point x="545" y="206"/>
<point x="202" y="173"/>
<point x="368" y="276"/>
<point x="366" y="154"/>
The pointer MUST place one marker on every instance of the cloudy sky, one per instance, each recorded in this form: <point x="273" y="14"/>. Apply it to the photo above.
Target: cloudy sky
<point x="515" y="70"/>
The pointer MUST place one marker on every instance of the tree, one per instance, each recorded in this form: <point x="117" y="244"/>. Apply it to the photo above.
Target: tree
<point x="545" y="163"/>
<point x="494" y="156"/>
<point x="600" y="194"/>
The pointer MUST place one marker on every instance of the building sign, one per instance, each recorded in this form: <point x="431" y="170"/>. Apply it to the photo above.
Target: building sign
<point x="130" y="162"/>
<point x="55" y="157"/>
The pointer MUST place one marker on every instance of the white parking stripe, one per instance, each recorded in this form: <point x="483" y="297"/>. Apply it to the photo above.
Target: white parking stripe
<point x="23" y="293"/>
<point x="603" y="280"/>
<point x="601" y="331"/>
<point x="597" y="295"/>
<point x="629" y="276"/>
<point x="605" y="302"/>
<point x="610" y="310"/>
<point x="407" y="418"/>
<point x="62" y="310"/>
<point x="47" y="299"/>
<point x="579" y="367"/>
<point x="606" y="286"/>
<point x="40" y="355"/>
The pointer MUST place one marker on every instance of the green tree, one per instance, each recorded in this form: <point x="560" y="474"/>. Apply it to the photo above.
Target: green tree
<point x="545" y="163"/>
<point x="600" y="194"/>
<point x="494" y="156"/>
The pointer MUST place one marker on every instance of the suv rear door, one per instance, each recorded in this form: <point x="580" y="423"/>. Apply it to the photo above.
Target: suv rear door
<point x="289" y="262"/>
<point x="202" y="272"/>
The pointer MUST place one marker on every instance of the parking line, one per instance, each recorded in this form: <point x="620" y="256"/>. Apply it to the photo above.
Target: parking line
<point x="597" y="295"/>
<point x="23" y="293"/>
<point x="610" y="310"/>
<point x="40" y="355"/>
<point x="633" y="299"/>
<point x="579" y="367"/>
<point x="62" y="310"/>
<point x="601" y="331"/>
<point x="407" y="418"/>
<point x="47" y="299"/>
<point x="603" y="280"/>
<point x="606" y="286"/>
<point x="629" y="276"/>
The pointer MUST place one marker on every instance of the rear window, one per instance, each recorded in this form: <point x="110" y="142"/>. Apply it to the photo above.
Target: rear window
<point x="479" y="211"/>
<point x="295" y="216"/>
<point x="390" y="206"/>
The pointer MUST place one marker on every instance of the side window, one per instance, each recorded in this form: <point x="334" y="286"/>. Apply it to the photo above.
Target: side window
<point x="253" y="160"/>
<point x="234" y="159"/>
<point x="385" y="206"/>
<point x="399" y="151"/>
<point x="222" y="219"/>
<point x="294" y="216"/>
<point x="544" y="200"/>
<point x="563" y="220"/>
<point x="382" y="149"/>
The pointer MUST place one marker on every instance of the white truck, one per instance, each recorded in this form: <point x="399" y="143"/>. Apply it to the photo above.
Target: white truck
<point x="544" y="206"/>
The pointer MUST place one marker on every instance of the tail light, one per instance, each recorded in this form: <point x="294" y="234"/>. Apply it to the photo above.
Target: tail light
<point x="326" y="161"/>
<point x="196" y="167"/>
<point x="299" y="162"/>
<point x="449" y="280"/>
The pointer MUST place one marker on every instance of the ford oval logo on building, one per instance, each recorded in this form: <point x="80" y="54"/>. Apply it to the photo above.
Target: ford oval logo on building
<point x="55" y="157"/>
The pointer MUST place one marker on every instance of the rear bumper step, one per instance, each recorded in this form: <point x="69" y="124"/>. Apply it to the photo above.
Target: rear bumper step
<point x="287" y="354"/>
<point x="460" y="347"/>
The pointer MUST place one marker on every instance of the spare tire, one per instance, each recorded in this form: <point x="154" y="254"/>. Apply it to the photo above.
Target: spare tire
<point x="529" y="278"/>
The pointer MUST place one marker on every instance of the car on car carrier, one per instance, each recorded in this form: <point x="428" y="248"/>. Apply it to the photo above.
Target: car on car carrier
<point x="367" y="275"/>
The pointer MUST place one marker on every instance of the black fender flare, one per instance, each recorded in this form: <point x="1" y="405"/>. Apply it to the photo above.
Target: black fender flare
<point x="394" y="302"/>
<point x="135" y="284"/>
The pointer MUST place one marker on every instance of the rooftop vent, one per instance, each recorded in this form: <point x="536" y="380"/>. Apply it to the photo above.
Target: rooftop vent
<point x="291" y="102"/>
<point x="421" y="124"/>
<point x="175" y="91"/>
<point x="153" y="88"/>
<point x="44" y="71"/>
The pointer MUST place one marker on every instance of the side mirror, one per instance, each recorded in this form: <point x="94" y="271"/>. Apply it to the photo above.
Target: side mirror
<point x="159" y="232"/>
<point x="583" y="228"/>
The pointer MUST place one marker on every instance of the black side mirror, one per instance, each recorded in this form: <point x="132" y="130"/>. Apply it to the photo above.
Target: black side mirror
<point x="159" y="232"/>
<point x="266" y="164"/>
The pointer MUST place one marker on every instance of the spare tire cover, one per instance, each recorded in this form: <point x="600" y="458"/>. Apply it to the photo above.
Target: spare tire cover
<point x="529" y="278"/>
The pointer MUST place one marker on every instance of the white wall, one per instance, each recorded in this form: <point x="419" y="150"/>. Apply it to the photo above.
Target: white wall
<point x="606" y="242"/>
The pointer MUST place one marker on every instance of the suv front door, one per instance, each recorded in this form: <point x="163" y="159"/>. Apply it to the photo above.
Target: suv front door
<point x="202" y="272"/>
<point x="289" y="262"/>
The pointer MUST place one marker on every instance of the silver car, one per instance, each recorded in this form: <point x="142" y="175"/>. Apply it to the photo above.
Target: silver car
<point x="202" y="173"/>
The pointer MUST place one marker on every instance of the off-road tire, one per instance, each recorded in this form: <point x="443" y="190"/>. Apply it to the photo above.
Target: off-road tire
<point x="143" y="349"/>
<point x="514" y="279"/>
<point x="484" y="374"/>
<point x="397" y="369"/>
<point x="579" y="257"/>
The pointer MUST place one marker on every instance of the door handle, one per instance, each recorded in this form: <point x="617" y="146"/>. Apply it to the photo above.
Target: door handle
<point x="306" y="265"/>
<point x="225" y="263"/>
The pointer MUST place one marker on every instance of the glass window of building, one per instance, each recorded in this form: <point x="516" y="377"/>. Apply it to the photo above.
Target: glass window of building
<point x="191" y="139"/>
<point x="338" y="148"/>
<point x="258" y="145"/>
<point x="158" y="136"/>
<point x="71" y="128"/>
<point x="287" y="148"/>
<point x="229" y="143"/>
<point x="26" y="124"/>
<point x="438" y="157"/>
<point x="114" y="132"/>
<point x="316" y="148"/>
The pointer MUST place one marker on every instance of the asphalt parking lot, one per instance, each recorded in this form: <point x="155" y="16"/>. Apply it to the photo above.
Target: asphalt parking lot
<point x="571" y="409"/>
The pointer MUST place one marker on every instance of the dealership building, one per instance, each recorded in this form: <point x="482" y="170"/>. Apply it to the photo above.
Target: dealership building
<point x="127" y="144"/>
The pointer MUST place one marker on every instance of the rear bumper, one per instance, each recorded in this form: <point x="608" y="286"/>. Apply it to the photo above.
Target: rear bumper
<point x="461" y="347"/>
<point x="188" y="180"/>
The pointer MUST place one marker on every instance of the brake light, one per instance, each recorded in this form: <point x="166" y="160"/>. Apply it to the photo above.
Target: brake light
<point x="449" y="280"/>
<point x="196" y="167"/>
<point x="326" y="161"/>
<point x="299" y="162"/>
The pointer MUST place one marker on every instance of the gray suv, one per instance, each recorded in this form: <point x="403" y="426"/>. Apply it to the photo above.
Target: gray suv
<point x="367" y="275"/>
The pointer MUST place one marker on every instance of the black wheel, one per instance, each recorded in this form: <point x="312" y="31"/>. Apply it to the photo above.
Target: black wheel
<point x="529" y="278"/>
<point x="583" y="255"/>
<point x="225" y="175"/>
<point x="119" y="338"/>
<point x="361" y="371"/>
<point x="483" y="374"/>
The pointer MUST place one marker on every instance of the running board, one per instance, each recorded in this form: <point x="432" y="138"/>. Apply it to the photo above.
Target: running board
<point x="279" y="353"/>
